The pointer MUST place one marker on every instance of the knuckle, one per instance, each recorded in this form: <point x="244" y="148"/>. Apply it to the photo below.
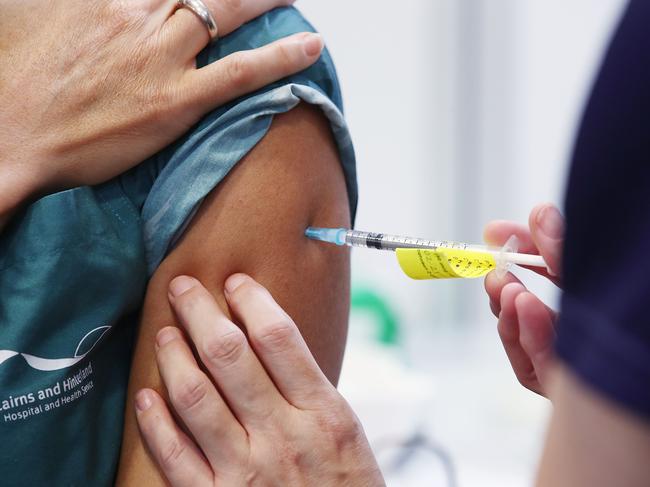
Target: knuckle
<point x="171" y="454"/>
<point x="118" y="14"/>
<point x="276" y="337"/>
<point x="158" y="100"/>
<point x="525" y="378"/>
<point x="285" y="54"/>
<point x="190" y="393"/>
<point x="233" y="6"/>
<point x="188" y="302"/>
<point x="147" y="424"/>
<point x="341" y="425"/>
<point x="239" y="70"/>
<point x="509" y="336"/>
<point x="291" y="457"/>
<point x="245" y="293"/>
<point x="162" y="104"/>
<point x="150" y="6"/>
<point x="224" y="350"/>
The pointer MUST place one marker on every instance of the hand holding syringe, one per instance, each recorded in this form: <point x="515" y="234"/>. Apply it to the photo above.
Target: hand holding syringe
<point x="430" y="259"/>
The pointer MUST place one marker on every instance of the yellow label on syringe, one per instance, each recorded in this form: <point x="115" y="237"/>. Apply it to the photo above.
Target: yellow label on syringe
<point x="444" y="263"/>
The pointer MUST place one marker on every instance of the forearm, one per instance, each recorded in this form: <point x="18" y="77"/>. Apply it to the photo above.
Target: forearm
<point x="592" y="442"/>
<point x="254" y="223"/>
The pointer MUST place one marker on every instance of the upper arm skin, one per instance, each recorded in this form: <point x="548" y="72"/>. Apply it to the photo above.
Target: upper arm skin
<point x="592" y="442"/>
<point x="254" y="223"/>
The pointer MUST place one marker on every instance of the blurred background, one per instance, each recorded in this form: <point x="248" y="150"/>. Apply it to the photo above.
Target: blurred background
<point x="462" y="111"/>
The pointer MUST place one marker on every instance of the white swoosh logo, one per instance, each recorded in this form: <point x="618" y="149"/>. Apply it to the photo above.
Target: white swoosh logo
<point x="49" y="364"/>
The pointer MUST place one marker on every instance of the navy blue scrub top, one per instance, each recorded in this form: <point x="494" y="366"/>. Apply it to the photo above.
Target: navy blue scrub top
<point x="604" y="326"/>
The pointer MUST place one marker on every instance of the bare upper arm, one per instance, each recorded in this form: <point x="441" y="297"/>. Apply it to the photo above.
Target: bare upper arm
<point x="591" y="441"/>
<point x="254" y="223"/>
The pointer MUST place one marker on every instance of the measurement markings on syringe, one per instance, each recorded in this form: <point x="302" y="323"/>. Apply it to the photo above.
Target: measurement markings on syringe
<point x="374" y="240"/>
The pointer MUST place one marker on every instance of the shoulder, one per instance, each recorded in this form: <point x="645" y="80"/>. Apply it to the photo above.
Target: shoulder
<point x="203" y="157"/>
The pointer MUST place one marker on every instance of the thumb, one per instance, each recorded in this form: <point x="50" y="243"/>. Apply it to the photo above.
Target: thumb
<point x="547" y="231"/>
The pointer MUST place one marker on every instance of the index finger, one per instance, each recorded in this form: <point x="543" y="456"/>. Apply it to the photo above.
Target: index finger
<point x="278" y="343"/>
<point x="225" y="352"/>
<point x="497" y="232"/>
<point x="245" y="71"/>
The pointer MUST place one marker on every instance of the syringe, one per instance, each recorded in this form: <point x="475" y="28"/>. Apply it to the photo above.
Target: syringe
<point x="382" y="241"/>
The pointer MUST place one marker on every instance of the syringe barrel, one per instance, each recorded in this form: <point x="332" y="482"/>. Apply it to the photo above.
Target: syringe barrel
<point x="356" y="238"/>
<point x="381" y="241"/>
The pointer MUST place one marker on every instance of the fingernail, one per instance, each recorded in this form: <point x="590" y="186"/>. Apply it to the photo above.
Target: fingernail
<point x="143" y="400"/>
<point x="181" y="285"/>
<point x="312" y="44"/>
<point x="165" y="336"/>
<point x="234" y="281"/>
<point x="550" y="222"/>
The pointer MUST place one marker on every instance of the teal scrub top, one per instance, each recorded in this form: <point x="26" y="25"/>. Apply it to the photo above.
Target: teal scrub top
<point x="74" y="268"/>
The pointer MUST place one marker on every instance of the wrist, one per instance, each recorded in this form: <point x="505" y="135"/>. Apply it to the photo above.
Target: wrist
<point x="17" y="185"/>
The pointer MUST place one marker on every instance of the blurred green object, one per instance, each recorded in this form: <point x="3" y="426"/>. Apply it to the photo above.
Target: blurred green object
<point x="366" y="299"/>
